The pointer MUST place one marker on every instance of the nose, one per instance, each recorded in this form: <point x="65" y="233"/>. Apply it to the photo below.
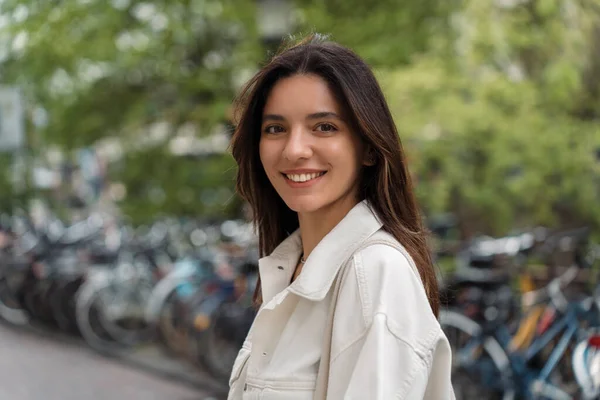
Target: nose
<point x="298" y="145"/>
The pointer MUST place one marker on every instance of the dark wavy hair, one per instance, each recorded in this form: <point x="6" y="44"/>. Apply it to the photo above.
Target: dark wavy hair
<point x="386" y="184"/>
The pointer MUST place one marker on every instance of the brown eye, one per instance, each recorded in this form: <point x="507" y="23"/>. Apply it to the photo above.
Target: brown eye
<point x="273" y="129"/>
<point x="326" y="128"/>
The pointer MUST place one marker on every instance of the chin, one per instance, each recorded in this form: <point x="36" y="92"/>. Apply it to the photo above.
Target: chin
<point x="303" y="205"/>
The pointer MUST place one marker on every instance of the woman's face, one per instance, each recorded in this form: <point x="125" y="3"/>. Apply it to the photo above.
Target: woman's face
<point x="307" y="149"/>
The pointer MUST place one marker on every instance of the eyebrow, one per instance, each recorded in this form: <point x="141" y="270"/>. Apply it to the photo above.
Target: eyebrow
<point x="318" y="115"/>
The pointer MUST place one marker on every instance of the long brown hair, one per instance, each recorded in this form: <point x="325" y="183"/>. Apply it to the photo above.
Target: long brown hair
<point x="386" y="184"/>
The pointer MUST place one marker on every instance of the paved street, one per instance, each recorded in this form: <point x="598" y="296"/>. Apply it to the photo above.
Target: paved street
<point x="38" y="368"/>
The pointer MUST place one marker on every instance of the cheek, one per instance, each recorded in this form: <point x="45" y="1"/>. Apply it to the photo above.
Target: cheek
<point x="348" y="155"/>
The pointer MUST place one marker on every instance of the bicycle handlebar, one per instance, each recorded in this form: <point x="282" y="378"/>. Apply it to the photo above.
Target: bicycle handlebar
<point x="552" y="291"/>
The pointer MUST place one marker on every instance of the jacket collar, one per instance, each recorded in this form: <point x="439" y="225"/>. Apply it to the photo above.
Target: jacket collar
<point x="323" y="263"/>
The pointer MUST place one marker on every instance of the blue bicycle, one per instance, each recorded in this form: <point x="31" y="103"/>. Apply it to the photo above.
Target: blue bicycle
<point x="487" y="364"/>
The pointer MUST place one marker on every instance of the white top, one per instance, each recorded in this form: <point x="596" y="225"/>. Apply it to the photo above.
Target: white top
<point x="386" y="343"/>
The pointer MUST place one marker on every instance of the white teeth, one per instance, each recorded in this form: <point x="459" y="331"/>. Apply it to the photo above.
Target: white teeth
<point x="304" y="177"/>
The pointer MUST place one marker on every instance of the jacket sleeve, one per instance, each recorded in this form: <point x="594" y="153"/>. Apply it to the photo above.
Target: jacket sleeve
<point x="380" y="366"/>
<point x="396" y="348"/>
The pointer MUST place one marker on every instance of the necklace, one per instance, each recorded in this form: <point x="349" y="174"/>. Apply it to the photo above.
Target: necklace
<point x="298" y="268"/>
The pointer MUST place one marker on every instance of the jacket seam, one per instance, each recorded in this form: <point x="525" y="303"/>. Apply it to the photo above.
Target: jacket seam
<point x="408" y="383"/>
<point x="362" y="283"/>
<point x="423" y="347"/>
<point x="421" y="354"/>
<point x="402" y="250"/>
<point x="350" y="344"/>
<point x="281" y="384"/>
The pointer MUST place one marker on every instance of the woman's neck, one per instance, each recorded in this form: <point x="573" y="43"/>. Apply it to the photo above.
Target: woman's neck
<point x="315" y="226"/>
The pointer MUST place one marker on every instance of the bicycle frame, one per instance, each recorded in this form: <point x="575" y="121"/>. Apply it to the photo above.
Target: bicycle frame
<point x="529" y="382"/>
<point x="567" y="327"/>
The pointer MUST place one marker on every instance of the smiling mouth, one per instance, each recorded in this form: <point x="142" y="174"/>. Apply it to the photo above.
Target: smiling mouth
<point x="299" y="178"/>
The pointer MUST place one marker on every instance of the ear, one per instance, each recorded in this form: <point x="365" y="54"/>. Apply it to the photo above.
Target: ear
<point x="369" y="158"/>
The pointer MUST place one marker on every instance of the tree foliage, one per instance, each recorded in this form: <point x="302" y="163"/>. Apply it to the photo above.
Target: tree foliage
<point x="384" y="32"/>
<point x="114" y="68"/>
<point x="506" y="133"/>
<point x="497" y="102"/>
<point x="101" y="67"/>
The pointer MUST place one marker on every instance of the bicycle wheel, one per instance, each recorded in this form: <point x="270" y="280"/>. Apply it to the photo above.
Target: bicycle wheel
<point x="63" y="304"/>
<point x="586" y="366"/>
<point x="37" y="303"/>
<point x="122" y="308"/>
<point x="171" y="336"/>
<point x="480" y="368"/>
<point x="11" y="309"/>
<point x="90" y="319"/>
<point x="224" y="337"/>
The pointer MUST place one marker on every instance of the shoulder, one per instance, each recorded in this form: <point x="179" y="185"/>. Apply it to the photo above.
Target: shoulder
<point x="383" y="280"/>
<point x="381" y="259"/>
<point x="389" y="277"/>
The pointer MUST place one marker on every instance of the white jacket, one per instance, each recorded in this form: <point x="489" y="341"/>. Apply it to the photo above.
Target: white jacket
<point x="386" y="342"/>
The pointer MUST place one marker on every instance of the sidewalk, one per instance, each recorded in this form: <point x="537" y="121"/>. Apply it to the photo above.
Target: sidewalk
<point x="148" y="358"/>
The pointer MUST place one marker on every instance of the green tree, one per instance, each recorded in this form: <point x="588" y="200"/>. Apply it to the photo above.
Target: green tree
<point x="114" y="68"/>
<point x="384" y="32"/>
<point x="504" y="133"/>
<point x="6" y="188"/>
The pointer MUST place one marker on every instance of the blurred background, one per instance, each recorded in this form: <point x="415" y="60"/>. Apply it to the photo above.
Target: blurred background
<point x="121" y="232"/>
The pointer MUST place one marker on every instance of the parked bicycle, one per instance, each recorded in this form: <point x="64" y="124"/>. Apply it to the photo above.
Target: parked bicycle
<point x="530" y="360"/>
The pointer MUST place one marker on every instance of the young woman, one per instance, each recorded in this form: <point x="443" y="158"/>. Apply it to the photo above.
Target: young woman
<point x="347" y="292"/>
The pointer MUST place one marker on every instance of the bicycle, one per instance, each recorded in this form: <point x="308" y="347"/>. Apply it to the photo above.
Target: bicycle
<point x="488" y="353"/>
